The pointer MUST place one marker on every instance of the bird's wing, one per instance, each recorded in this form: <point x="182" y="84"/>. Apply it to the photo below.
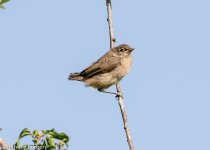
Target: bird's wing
<point x="105" y="64"/>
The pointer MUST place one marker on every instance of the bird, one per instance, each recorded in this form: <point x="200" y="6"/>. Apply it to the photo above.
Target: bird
<point x="107" y="70"/>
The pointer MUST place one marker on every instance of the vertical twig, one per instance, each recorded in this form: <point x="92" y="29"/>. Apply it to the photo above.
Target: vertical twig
<point x="120" y="99"/>
<point x="109" y="19"/>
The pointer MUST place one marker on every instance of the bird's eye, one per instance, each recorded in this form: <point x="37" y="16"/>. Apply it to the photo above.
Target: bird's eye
<point x="121" y="50"/>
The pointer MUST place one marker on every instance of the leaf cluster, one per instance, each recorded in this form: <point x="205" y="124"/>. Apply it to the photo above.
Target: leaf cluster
<point x="43" y="140"/>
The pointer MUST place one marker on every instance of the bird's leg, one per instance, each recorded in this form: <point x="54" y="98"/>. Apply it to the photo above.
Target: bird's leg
<point x="107" y="92"/>
<point x="117" y="94"/>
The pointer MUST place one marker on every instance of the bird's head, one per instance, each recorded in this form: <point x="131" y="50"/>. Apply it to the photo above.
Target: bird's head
<point x="123" y="50"/>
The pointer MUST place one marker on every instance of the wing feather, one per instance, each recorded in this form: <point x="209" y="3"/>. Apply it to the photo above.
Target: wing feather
<point x="105" y="64"/>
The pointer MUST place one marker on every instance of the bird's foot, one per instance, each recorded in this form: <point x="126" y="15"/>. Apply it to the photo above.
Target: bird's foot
<point x="106" y="92"/>
<point x="118" y="94"/>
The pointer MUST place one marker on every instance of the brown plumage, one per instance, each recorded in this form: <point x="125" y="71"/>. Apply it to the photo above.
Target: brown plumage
<point x="107" y="70"/>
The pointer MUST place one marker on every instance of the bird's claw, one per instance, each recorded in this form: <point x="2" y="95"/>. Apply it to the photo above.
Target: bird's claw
<point x="118" y="94"/>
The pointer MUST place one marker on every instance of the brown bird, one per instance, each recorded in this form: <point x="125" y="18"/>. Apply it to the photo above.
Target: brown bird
<point x="107" y="70"/>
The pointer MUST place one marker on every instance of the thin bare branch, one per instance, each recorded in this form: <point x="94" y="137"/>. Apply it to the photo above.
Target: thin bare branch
<point x="111" y="30"/>
<point x="119" y="98"/>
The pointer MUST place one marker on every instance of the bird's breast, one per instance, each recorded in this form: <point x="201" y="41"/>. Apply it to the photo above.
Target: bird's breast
<point x="123" y="68"/>
<point x="125" y="65"/>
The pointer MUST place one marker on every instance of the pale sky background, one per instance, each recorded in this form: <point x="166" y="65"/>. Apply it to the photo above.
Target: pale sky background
<point x="166" y="94"/>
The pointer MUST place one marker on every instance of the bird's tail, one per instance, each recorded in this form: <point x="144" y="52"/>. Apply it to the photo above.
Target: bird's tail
<point x="75" y="76"/>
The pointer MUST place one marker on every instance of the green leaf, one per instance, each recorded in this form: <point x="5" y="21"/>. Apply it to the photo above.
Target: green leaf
<point x="59" y="136"/>
<point x="62" y="136"/>
<point x="50" y="141"/>
<point x="35" y="132"/>
<point x="24" y="132"/>
<point x="2" y="2"/>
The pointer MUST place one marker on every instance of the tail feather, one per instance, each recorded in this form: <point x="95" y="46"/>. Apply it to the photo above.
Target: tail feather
<point x="75" y="76"/>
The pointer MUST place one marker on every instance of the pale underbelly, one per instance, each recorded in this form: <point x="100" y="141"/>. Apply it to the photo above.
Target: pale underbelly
<point x="103" y="81"/>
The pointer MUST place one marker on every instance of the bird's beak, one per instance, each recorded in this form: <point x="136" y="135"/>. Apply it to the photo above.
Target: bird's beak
<point x="131" y="49"/>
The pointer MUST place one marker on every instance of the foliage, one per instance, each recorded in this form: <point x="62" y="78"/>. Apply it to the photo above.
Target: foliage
<point x="2" y="2"/>
<point x="43" y="140"/>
